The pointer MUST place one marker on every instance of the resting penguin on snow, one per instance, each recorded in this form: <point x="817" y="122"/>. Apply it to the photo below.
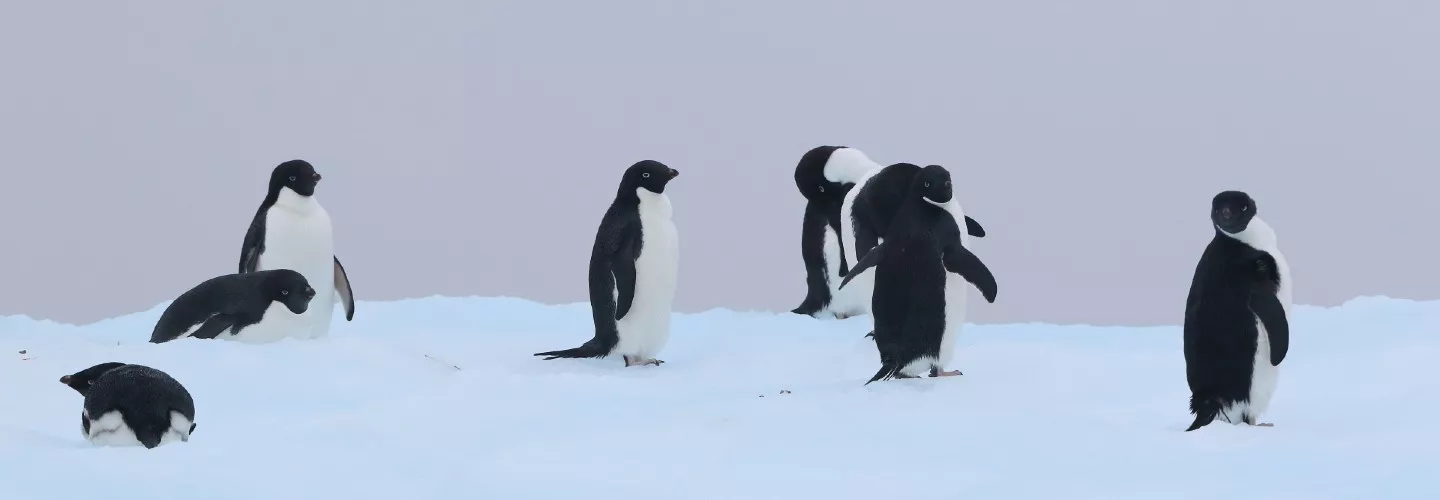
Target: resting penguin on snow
<point x="128" y="405"/>
<point x="1237" y="316"/>
<point x="918" y="306"/>
<point x="632" y="271"/>
<point x="292" y="231"/>
<point x="824" y="175"/>
<point x="253" y="307"/>
<point x="865" y="216"/>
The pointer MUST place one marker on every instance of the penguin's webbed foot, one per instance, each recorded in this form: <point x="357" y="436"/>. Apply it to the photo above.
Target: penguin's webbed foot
<point x="936" y="372"/>
<point x="631" y="361"/>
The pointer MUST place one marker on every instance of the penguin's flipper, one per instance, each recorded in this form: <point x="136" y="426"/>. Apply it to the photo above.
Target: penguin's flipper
<point x="871" y="258"/>
<point x="213" y="326"/>
<point x="622" y="267"/>
<point x="973" y="227"/>
<point x="342" y="290"/>
<point x="962" y="261"/>
<point x="254" y="243"/>
<point x="1271" y="313"/>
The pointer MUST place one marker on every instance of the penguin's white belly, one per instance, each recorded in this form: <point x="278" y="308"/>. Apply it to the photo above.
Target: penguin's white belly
<point x="846" y="302"/>
<point x="302" y="240"/>
<point x="1263" y="376"/>
<point x="645" y="329"/>
<point x="110" y="430"/>
<point x="278" y="323"/>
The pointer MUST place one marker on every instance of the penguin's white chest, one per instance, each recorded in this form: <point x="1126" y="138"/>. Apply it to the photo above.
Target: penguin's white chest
<point x="298" y="236"/>
<point x="646" y="327"/>
<point x="957" y="291"/>
<point x="277" y="323"/>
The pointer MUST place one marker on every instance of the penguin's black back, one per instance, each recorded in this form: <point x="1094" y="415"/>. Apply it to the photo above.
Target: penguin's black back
<point x="240" y="295"/>
<point x="875" y="206"/>
<point x="144" y="397"/>
<point x="908" y="303"/>
<point x="1220" y="331"/>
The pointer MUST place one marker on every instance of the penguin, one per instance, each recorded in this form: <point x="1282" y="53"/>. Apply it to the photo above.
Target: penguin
<point x="918" y="306"/>
<point x="824" y="175"/>
<point x="255" y="307"/>
<point x="292" y="231"/>
<point x="865" y="216"/>
<point x="1237" y="316"/>
<point x="128" y="405"/>
<point x="632" y="271"/>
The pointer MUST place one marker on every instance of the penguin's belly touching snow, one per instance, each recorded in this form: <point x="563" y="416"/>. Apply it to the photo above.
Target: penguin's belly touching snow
<point x="277" y="324"/>
<point x="301" y="240"/>
<point x="646" y="327"/>
<point x="111" y="430"/>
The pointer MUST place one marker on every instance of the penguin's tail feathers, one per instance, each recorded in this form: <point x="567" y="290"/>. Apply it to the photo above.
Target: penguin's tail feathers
<point x="1205" y="410"/>
<point x="887" y="371"/>
<point x="586" y="350"/>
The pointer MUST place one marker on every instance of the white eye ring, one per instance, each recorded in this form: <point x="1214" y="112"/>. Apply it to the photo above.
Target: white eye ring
<point x="645" y="175"/>
<point x="1245" y="209"/>
<point x="284" y="292"/>
<point x="822" y="189"/>
<point x="927" y="184"/>
<point x="292" y="177"/>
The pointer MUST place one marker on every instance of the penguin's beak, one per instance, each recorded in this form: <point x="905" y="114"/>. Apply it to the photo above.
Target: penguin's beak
<point x="674" y="173"/>
<point x="1226" y="214"/>
<point x="317" y="176"/>
<point x="65" y="380"/>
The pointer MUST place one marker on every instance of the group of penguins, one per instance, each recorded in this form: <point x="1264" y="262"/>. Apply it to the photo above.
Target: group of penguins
<point x="901" y="220"/>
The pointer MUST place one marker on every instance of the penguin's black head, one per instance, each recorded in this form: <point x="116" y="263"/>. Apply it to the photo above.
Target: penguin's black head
<point x="933" y="184"/>
<point x="298" y="175"/>
<point x="290" y="288"/>
<point x="649" y="174"/>
<point x="810" y="178"/>
<point x="83" y="379"/>
<point x="1231" y="211"/>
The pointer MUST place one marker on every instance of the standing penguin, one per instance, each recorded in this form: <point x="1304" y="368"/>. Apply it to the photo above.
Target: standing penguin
<point x="632" y="270"/>
<point x="126" y="405"/>
<point x="824" y="175"/>
<point x="918" y="306"/>
<point x="255" y="307"/>
<point x="1237" y="316"/>
<point x="292" y="231"/>
<point x="865" y="217"/>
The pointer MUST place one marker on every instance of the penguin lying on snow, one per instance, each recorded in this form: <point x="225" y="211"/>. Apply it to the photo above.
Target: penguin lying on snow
<point x="128" y="405"/>
<point x="918" y="306"/>
<point x="252" y="307"/>
<point x="824" y="176"/>
<point x="632" y="270"/>
<point x="1237" y="325"/>
<point x="865" y="217"/>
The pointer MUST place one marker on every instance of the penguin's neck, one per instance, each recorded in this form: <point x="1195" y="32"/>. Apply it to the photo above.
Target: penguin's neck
<point x="653" y="204"/>
<point x="1258" y="235"/>
<point x="952" y="207"/>
<point x="289" y="199"/>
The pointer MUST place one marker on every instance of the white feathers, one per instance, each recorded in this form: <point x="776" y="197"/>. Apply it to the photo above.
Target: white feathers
<point x="1260" y="236"/>
<point x="298" y="236"/>
<point x="645" y="329"/>
<point x="110" y="430"/>
<point x="848" y="165"/>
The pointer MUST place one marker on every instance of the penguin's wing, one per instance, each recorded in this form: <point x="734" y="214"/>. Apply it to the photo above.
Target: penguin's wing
<point x="213" y="326"/>
<point x="973" y="227"/>
<point x="622" y="267"/>
<point x="962" y="261"/>
<point x="254" y="244"/>
<point x="1268" y="309"/>
<point x="871" y="258"/>
<point x="342" y="290"/>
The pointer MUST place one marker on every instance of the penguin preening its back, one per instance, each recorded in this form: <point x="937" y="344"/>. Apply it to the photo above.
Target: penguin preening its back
<point x="865" y="217"/>
<point x="633" y="265"/>
<point x="1237" y="326"/>
<point x="251" y="307"/>
<point x="292" y="231"/>
<point x="917" y="307"/>
<point x="824" y="175"/>
<point x="127" y="405"/>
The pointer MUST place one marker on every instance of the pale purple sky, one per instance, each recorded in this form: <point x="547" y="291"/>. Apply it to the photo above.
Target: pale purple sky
<point x="471" y="147"/>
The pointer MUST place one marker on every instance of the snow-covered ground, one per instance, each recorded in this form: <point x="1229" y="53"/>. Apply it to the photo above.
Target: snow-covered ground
<point x="441" y="398"/>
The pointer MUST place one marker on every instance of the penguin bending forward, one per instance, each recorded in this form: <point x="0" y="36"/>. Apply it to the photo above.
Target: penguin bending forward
<point x="865" y="216"/>
<point x="128" y="405"/>
<point x="292" y="231"/>
<point x="253" y="307"/>
<point x="825" y="175"/>
<point x="1237" y="316"/>
<point x="918" y="306"/>
<point x="632" y="271"/>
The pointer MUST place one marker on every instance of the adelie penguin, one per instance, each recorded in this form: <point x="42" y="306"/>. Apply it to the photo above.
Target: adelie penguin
<point x="256" y="307"/>
<point x="292" y="231"/>
<point x="824" y="175"/>
<point x="921" y="273"/>
<point x="865" y="216"/>
<point x="632" y="270"/>
<point x="1237" y="316"/>
<point x="129" y="405"/>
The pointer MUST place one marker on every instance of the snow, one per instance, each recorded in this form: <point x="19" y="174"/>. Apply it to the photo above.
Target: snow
<point x="1043" y="411"/>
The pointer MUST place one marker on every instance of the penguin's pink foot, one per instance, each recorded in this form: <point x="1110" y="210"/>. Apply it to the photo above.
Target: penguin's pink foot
<point x="1264" y="424"/>
<point x="936" y="372"/>
<point x="629" y="361"/>
<point x="841" y="315"/>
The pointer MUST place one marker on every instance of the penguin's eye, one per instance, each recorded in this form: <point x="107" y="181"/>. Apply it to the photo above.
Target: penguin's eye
<point x="822" y="189"/>
<point x="645" y="175"/>
<point x="89" y="382"/>
<point x="284" y="292"/>
<point x="927" y="184"/>
<point x="292" y="178"/>
<point x="1245" y="209"/>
